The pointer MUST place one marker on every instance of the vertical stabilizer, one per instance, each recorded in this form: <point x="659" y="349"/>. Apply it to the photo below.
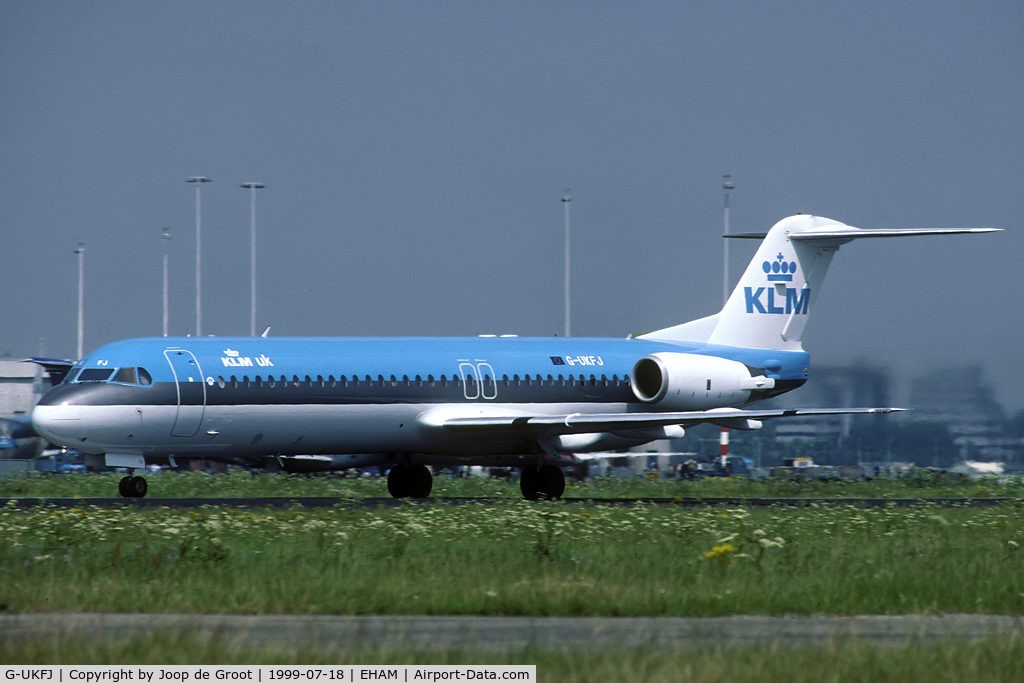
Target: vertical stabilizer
<point x="770" y="305"/>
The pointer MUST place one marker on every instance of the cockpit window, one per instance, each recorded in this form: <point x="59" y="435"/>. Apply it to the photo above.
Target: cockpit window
<point x="71" y="375"/>
<point x="145" y="379"/>
<point x="125" y="376"/>
<point x="95" y="375"/>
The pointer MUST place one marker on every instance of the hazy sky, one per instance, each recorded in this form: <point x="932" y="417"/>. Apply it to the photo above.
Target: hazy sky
<point x="415" y="153"/>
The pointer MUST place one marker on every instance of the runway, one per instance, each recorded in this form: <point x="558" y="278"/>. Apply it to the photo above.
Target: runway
<point x="510" y="634"/>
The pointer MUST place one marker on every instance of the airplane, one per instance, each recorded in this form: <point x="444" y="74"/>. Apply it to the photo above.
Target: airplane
<point x="17" y="438"/>
<point x="409" y="402"/>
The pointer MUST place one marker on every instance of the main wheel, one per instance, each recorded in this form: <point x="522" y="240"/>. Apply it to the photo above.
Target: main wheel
<point x="137" y="487"/>
<point x="122" y="487"/>
<point x="529" y="482"/>
<point x="398" y="481"/>
<point x="419" y="481"/>
<point x="551" y="481"/>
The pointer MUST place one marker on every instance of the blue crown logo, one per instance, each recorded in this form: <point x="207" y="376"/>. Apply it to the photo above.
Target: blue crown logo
<point x="779" y="270"/>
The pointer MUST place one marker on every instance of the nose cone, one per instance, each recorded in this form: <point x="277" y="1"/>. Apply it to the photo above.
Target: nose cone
<point x="57" y="423"/>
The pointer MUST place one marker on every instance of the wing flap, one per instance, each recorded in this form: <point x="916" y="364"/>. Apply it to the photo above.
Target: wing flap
<point x="581" y="423"/>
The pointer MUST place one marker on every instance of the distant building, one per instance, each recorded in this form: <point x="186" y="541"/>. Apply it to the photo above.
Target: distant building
<point x="957" y="397"/>
<point x="21" y="385"/>
<point x="861" y="385"/>
<point x="962" y="400"/>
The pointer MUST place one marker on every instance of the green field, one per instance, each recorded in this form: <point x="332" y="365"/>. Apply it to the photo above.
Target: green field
<point x="515" y="557"/>
<point x="240" y="483"/>
<point x="508" y="556"/>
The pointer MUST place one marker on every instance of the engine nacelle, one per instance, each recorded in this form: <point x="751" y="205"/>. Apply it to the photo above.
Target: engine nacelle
<point x="686" y="381"/>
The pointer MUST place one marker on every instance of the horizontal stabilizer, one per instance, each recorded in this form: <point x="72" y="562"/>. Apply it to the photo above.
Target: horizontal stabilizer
<point x="774" y="297"/>
<point x="845" y="233"/>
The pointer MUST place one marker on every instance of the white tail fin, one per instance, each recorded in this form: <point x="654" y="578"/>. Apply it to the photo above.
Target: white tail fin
<point x="772" y="301"/>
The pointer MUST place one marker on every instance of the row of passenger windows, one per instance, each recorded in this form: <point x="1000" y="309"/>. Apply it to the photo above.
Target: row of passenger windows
<point x="355" y="381"/>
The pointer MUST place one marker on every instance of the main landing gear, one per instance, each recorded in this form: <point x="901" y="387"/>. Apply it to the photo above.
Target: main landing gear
<point x="544" y="481"/>
<point x="132" y="487"/>
<point x="410" y="480"/>
<point x="413" y="480"/>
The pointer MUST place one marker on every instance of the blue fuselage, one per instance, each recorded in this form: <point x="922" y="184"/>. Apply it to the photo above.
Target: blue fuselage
<point x="246" y="397"/>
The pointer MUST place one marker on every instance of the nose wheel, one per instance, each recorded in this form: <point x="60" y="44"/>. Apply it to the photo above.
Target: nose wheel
<point x="132" y="487"/>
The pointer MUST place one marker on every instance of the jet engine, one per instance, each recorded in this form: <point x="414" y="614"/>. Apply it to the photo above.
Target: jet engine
<point x="685" y="381"/>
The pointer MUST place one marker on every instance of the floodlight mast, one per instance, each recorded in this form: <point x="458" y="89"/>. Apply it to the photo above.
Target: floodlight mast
<point x="80" y="250"/>
<point x="727" y="185"/>
<point x="252" y="269"/>
<point x="165" y="241"/>
<point x="198" y="180"/>
<point x="566" y="199"/>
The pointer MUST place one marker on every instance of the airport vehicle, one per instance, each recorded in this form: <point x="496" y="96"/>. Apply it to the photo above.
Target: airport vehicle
<point x="492" y="401"/>
<point x="18" y="440"/>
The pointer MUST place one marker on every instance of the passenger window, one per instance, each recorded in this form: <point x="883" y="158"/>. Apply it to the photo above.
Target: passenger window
<point x="220" y="382"/>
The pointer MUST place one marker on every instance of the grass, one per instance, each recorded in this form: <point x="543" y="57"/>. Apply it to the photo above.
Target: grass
<point x="989" y="660"/>
<point x="515" y="557"/>
<point x="240" y="483"/>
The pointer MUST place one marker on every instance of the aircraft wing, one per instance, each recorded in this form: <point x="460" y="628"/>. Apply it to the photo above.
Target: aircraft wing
<point x="582" y="423"/>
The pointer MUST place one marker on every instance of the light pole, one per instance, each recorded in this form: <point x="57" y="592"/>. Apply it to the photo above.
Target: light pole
<point x="198" y="180"/>
<point x="566" y="199"/>
<point x="726" y="186"/>
<point x="81" y="299"/>
<point x="252" y="270"/>
<point x="165" y="241"/>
